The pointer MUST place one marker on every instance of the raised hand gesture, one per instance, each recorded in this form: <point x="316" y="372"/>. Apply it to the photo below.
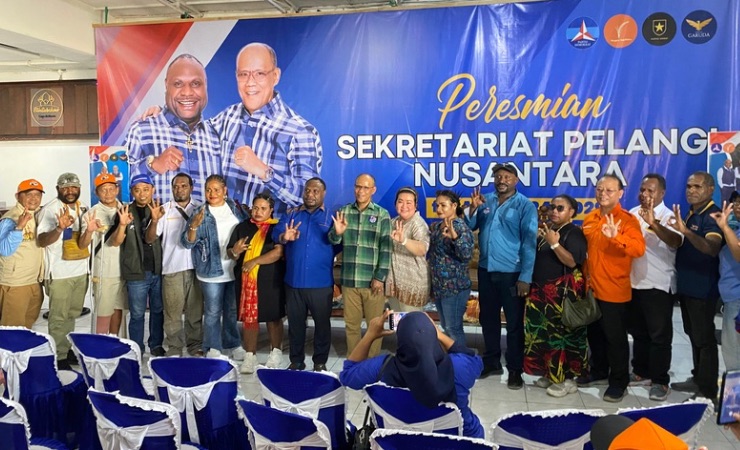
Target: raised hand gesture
<point x="397" y="232"/>
<point x="551" y="236"/>
<point x="64" y="218"/>
<point x="610" y="229"/>
<point x="93" y="224"/>
<point x="157" y="210"/>
<point x="647" y="214"/>
<point x="448" y="230"/>
<point x="678" y="224"/>
<point x="476" y="199"/>
<point x="722" y="217"/>
<point x="170" y="160"/>
<point x="240" y="246"/>
<point x="23" y="219"/>
<point x="124" y="216"/>
<point x="340" y="223"/>
<point x="198" y="218"/>
<point x="291" y="232"/>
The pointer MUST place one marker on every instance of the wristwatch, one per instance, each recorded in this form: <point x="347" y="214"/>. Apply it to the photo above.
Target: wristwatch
<point x="269" y="174"/>
<point x="149" y="161"/>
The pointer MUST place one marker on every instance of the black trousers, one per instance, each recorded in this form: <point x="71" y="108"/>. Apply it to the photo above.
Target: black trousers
<point x="497" y="290"/>
<point x="298" y="303"/>
<point x="651" y="327"/>
<point x="607" y="338"/>
<point x="698" y="323"/>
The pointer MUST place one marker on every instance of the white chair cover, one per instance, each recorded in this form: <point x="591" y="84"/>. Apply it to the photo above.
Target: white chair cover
<point x="309" y="408"/>
<point x="190" y="398"/>
<point x="15" y="363"/>
<point x="382" y="432"/>
<point x="102" y="369"/>
<point x="321" y="438"/>
<point x="692" y="435"/>
<point x="504" y="438"/>
<point x="453" y="419"/>
<point x="16" y="415"/>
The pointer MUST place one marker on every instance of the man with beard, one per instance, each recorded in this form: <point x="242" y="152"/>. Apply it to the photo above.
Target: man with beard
<point x="507" y="221"/>
<point x="180" y="289"/>
<point x="109" y="290"/>
<point x="65" y="278"/>
<point x="177" y="140"/>
<point x="21" y="259"/>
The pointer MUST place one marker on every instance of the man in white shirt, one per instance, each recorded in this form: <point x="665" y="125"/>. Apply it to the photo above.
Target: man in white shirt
<point x="653" y="278"/>
<point x="109" y="289"/>
<point x="180" y="289"/>
<point x="65" y="277"/>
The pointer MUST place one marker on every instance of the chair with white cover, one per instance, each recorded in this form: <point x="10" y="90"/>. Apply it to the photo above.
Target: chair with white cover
<point x="386" y="439"/>
<point x="318" y="395"/>
<point x="111" y="364"/>
<point x="203" y="391"/>
<point x="562" y="429"/>
<point x="396" y="408"/>
<point x="54" y="400"/>
<point x="271" y="429"/>
<point x="685" y="420"/>
<point x="128" y="423"/>
<point x="15" y="431"/>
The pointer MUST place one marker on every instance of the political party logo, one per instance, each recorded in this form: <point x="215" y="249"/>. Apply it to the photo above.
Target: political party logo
<point x="659" y="28"/>
<point x="620" y="31"/>
<point x="582" y="32"/>
<point x="699" y="27"/>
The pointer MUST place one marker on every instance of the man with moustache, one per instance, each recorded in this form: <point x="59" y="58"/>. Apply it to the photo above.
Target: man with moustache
<point x="265" y="144"/>
<point x="59" y="227"/>
<point x="614" y="240"/>
<point x="178" y="140"/>
<point x="309" y="277"/>
<point x="109" y="289"/>
<point x="141" y="265"/>
<point x="21" y="259"/>
<point x="653" y="279"/>
<point x="507" y="221"/>
<point x="697" y="269"/>
<point x="180" y="289"/>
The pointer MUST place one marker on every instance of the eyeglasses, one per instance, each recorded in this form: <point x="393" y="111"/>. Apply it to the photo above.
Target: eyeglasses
<point x="362" y="188"/>
<point x="558" y="208"/>
<point x="258" y="75"/>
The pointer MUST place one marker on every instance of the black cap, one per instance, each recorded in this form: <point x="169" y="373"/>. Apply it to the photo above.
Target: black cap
<point x="607" y="428"/>
<point x="507" y="167"/>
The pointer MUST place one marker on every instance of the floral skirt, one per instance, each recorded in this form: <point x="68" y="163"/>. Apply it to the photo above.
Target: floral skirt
<point x="550" y="348"/>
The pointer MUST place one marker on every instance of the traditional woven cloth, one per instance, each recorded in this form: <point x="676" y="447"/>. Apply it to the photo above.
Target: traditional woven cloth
<point x="248" y="300"/>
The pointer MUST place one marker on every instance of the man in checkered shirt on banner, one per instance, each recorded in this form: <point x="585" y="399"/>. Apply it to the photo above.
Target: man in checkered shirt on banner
<point x="265" y="144"/>
<point x="177" y="140"/>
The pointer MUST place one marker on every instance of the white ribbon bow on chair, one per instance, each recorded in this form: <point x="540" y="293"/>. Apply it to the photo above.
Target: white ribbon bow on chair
<point x="310" y="407"/>
<point x="15" y="363"/>
<point x="101" y="369"/>
<point x="187" y="399"/>
<point x="113" y="437"/>
<point x="320" y="438"/>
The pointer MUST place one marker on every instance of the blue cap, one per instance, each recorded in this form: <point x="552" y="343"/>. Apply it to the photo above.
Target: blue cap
<point x="141" y="178"/>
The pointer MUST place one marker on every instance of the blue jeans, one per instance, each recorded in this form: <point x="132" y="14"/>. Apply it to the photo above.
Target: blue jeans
<point x="451" y="311"/>
<point x="497" y="290"/>
<point x="219" y="301"/>
<point x="150" y="288"/>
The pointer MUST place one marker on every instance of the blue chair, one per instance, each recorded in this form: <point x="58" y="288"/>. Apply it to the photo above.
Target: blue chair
<point x="203" y="391"/>
<point x="385" y="439"/>
<point x="396" y="408"/>
<point x="110" y="364"/>
<point x="128" y="423"/>
<point x="685" y="420"/>
<point x="54" y="400"/>
<point x="270" y="428"/>
<point x="563" y="429"/>
<point x="15" y="431"/>
<point x="318" y="395"/>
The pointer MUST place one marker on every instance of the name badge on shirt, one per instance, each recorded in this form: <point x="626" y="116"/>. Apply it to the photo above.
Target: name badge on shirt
<point x="67" y="234"/>
<point x="694" y="227"/>
<point x="373" y="219"/>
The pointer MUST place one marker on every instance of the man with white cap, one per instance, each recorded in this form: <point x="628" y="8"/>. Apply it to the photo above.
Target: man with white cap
<point x="21" y="259"/>
<point x="65" y="276"/>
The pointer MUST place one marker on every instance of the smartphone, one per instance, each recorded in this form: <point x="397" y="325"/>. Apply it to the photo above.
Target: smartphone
<point x="393" y="320"/>
<point x="729" y="399"/>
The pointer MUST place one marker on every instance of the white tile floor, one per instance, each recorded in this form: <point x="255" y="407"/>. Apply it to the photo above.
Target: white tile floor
<point x="490" y="397"/>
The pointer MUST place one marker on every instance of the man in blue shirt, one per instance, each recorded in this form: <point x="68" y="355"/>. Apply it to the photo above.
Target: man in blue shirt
<point x="507" y="221"/>
<point x="309" y="277"/>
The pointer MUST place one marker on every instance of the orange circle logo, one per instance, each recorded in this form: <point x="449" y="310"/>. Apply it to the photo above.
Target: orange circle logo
<point x="620" y="31"/>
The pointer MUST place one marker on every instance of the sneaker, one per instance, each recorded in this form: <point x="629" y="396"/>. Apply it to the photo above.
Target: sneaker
<point x="515" y="380"/>
<point x="637" y="380"/>
<point x="297" y="366"/>
<point x="63" y="364"/>
<point x="275" y="359"/>
<point x="213" y="353"/>
<point x="543" y="382"/>
<point x="238" y="354"/>
<point x="158" y="351"/>
<point x="686" y="386"/>
<point x="72" y="358"/>
<point x="614" y="394"/>
<point x="659" y="392"/>
<point x="249" y="364"/>
<point x="490" y="370"/>
<point x="319" y="367"/>
<point x="589" y="380"/>
<point x="562" y="389"/>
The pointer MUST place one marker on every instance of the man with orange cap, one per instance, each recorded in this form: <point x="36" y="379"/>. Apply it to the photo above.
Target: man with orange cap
<point x="21" y="259"/>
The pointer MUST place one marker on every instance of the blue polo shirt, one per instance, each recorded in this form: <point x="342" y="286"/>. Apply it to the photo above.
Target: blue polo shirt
<point x="697" y="274"/>
<point x="729" y="274"/>
<point x="309" y="259"/>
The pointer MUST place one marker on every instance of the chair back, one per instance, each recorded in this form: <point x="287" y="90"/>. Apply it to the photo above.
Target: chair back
<point x="385" y="439"/>
<point x="28" y="360"/>
<point x="14" y="426"/>
<point x="685" y="420"/>
<point x="110" y="363"/>
<point x="318" y="395"/>
<point x="270" y="428"/>
<point x="396" y="408"/>
<point x="129" y="423"/>
<point x="563" y="429"/>
<point x="203" y="391"/>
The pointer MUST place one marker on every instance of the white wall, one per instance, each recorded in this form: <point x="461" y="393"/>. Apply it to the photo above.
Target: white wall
<point x="44" y="161"/>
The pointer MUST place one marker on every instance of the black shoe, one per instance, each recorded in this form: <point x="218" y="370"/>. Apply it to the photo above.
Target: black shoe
<point x="614" y="394"/>
<point x="689" y="386"/>
<point x="63" y="364"/>
<point x="158" y="351"/>
<point x="72" y="358"/>
<point x="590" y="380"/>
<point x="490" y="370"/>
<point x="85" y="311"/>
<point x="319" y="367"/>
<point x="515" y="380"/>
<point x="298" y="366"/>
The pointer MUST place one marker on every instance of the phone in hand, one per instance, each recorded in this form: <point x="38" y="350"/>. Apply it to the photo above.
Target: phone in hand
<point x="393" y="320"/>
<point x="729" y="400"/>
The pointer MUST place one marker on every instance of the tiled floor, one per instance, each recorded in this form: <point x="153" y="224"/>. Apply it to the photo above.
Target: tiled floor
<point x="490" y="397"/>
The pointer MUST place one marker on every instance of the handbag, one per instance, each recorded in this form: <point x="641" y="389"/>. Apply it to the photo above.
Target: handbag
<point x="70" y="250"/>
<point x="362" y="435"/>
<point x="579" y="312"/>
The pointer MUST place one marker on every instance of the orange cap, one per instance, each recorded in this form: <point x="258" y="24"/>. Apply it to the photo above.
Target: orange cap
<point x="103" y="178"/>
<point x="30" y="185"/>
<point x="645" y="434"/>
